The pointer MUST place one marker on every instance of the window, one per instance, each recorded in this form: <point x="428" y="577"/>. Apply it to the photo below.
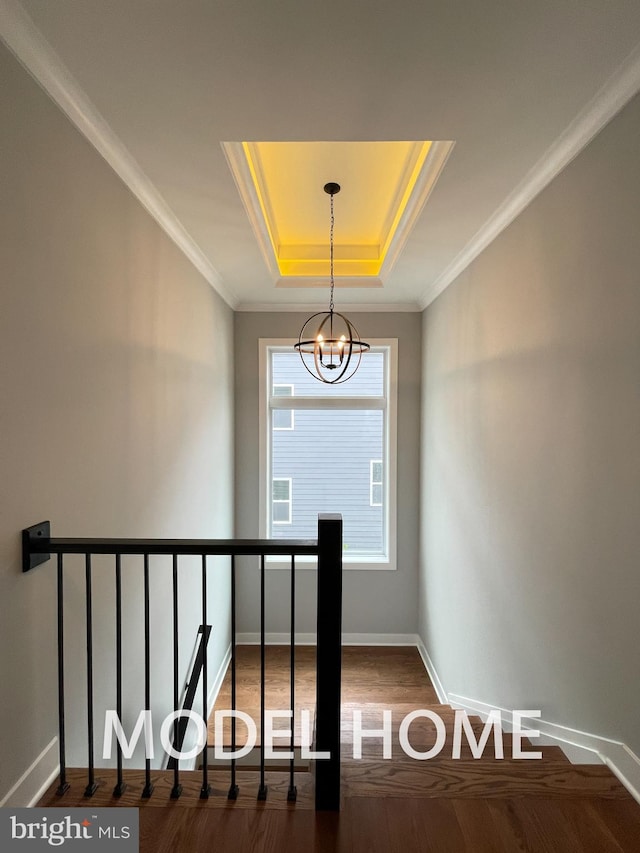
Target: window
<point x="340" y="457"/>
<point x="281" y="500"/>
<point x="375" y="482"/>
<point x="283" y="418"/>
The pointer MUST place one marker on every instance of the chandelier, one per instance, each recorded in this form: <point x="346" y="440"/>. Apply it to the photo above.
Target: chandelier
<point x="332" y="352"/>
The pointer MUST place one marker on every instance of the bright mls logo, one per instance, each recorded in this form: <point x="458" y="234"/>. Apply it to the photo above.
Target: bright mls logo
<point x="69" y="829"/>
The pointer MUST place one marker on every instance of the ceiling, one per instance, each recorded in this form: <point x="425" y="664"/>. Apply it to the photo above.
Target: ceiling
<point x="160" y="87"/>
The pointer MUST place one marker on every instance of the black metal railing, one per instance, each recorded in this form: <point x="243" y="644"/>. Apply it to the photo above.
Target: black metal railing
<point x="37" y="547"/>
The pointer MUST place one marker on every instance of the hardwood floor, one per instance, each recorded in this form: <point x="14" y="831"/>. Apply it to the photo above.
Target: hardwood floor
<point x="277" y="688"/>
<point x="399" y="805"/>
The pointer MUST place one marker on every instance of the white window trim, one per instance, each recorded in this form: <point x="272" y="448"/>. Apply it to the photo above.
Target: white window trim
<point x="288" y="501"/>
<point x="373" y="482"/>
<point x="291" y="411"/>
<point x="387" y="562"/>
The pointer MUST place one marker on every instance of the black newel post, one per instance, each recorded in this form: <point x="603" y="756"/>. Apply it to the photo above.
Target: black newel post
<point x="329" y="661"/>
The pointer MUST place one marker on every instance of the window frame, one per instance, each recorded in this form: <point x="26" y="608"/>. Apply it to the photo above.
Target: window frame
<point x="388" y="560"/>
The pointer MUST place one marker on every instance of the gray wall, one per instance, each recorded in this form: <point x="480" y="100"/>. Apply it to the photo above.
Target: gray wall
<point x="116" y="363"/>
<point x="374" y="601"/>
<point x="529" y="582"/>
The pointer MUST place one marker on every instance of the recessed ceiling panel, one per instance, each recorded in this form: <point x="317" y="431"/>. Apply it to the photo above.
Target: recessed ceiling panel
<point x="383" y="188"/>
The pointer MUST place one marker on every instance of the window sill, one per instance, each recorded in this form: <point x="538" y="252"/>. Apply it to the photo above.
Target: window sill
<point x="310" y="564"/>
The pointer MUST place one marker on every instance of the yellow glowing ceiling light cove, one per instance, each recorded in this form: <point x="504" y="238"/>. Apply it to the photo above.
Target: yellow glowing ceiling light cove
<point x="381" y="177"/>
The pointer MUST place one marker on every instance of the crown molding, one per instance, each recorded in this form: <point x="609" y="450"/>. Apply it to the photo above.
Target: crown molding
<point x="623" y="84"/>
<point x="311" y="307"/>
<point x="239" y="168"/>
<point x="438" y="155"/>
<point x="307" y="282"/>
<point x="29" y="46"/>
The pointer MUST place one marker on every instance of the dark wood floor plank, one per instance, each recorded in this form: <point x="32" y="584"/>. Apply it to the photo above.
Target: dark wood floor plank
<point x="371" y="833"/>
<point x="430" y="826"/>
<point x="591" y="831"/>
<point x="510" y="832"/>
<point x="622" y="819"/>
<point x="425" y="779"/>
<point x="546" y="826"/>
<point x="478" y="828"/>
<point x="260" y="831"/>
<point x="324" y="832"/>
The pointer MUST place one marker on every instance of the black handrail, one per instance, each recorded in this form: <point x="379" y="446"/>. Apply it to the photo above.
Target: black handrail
<point x="37" y="547"/>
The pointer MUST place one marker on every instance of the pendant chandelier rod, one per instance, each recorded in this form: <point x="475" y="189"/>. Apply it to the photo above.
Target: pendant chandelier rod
<point x="331" y="192"/>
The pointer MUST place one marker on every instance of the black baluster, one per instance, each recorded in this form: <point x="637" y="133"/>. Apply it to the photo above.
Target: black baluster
<point x="206" y="788"/>
<point x="292" y="793"/>
<point x="262" y="791"/>
<point x="233" y="789"/>
<point x="63" y="785"/>
<point x="91" y="783"/>
<point x="148" y="787"/>
<point x="120" y="787"/>
<point x="177" y="787"/>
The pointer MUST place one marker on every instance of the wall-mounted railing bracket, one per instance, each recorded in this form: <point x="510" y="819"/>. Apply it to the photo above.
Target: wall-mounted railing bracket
<point x="32" y="539"/>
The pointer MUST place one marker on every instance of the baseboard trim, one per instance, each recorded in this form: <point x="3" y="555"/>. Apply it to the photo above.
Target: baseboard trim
<point x="252" y="638"/>
<point x="35" y="780"/>
<point x="621" y="760"/>
<point x="380" y="639"/>
<point x="432" y="673"/>
<point x="309" y="639"/>
<point x="220" y="674"/>
<point x="624" y="763"/>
